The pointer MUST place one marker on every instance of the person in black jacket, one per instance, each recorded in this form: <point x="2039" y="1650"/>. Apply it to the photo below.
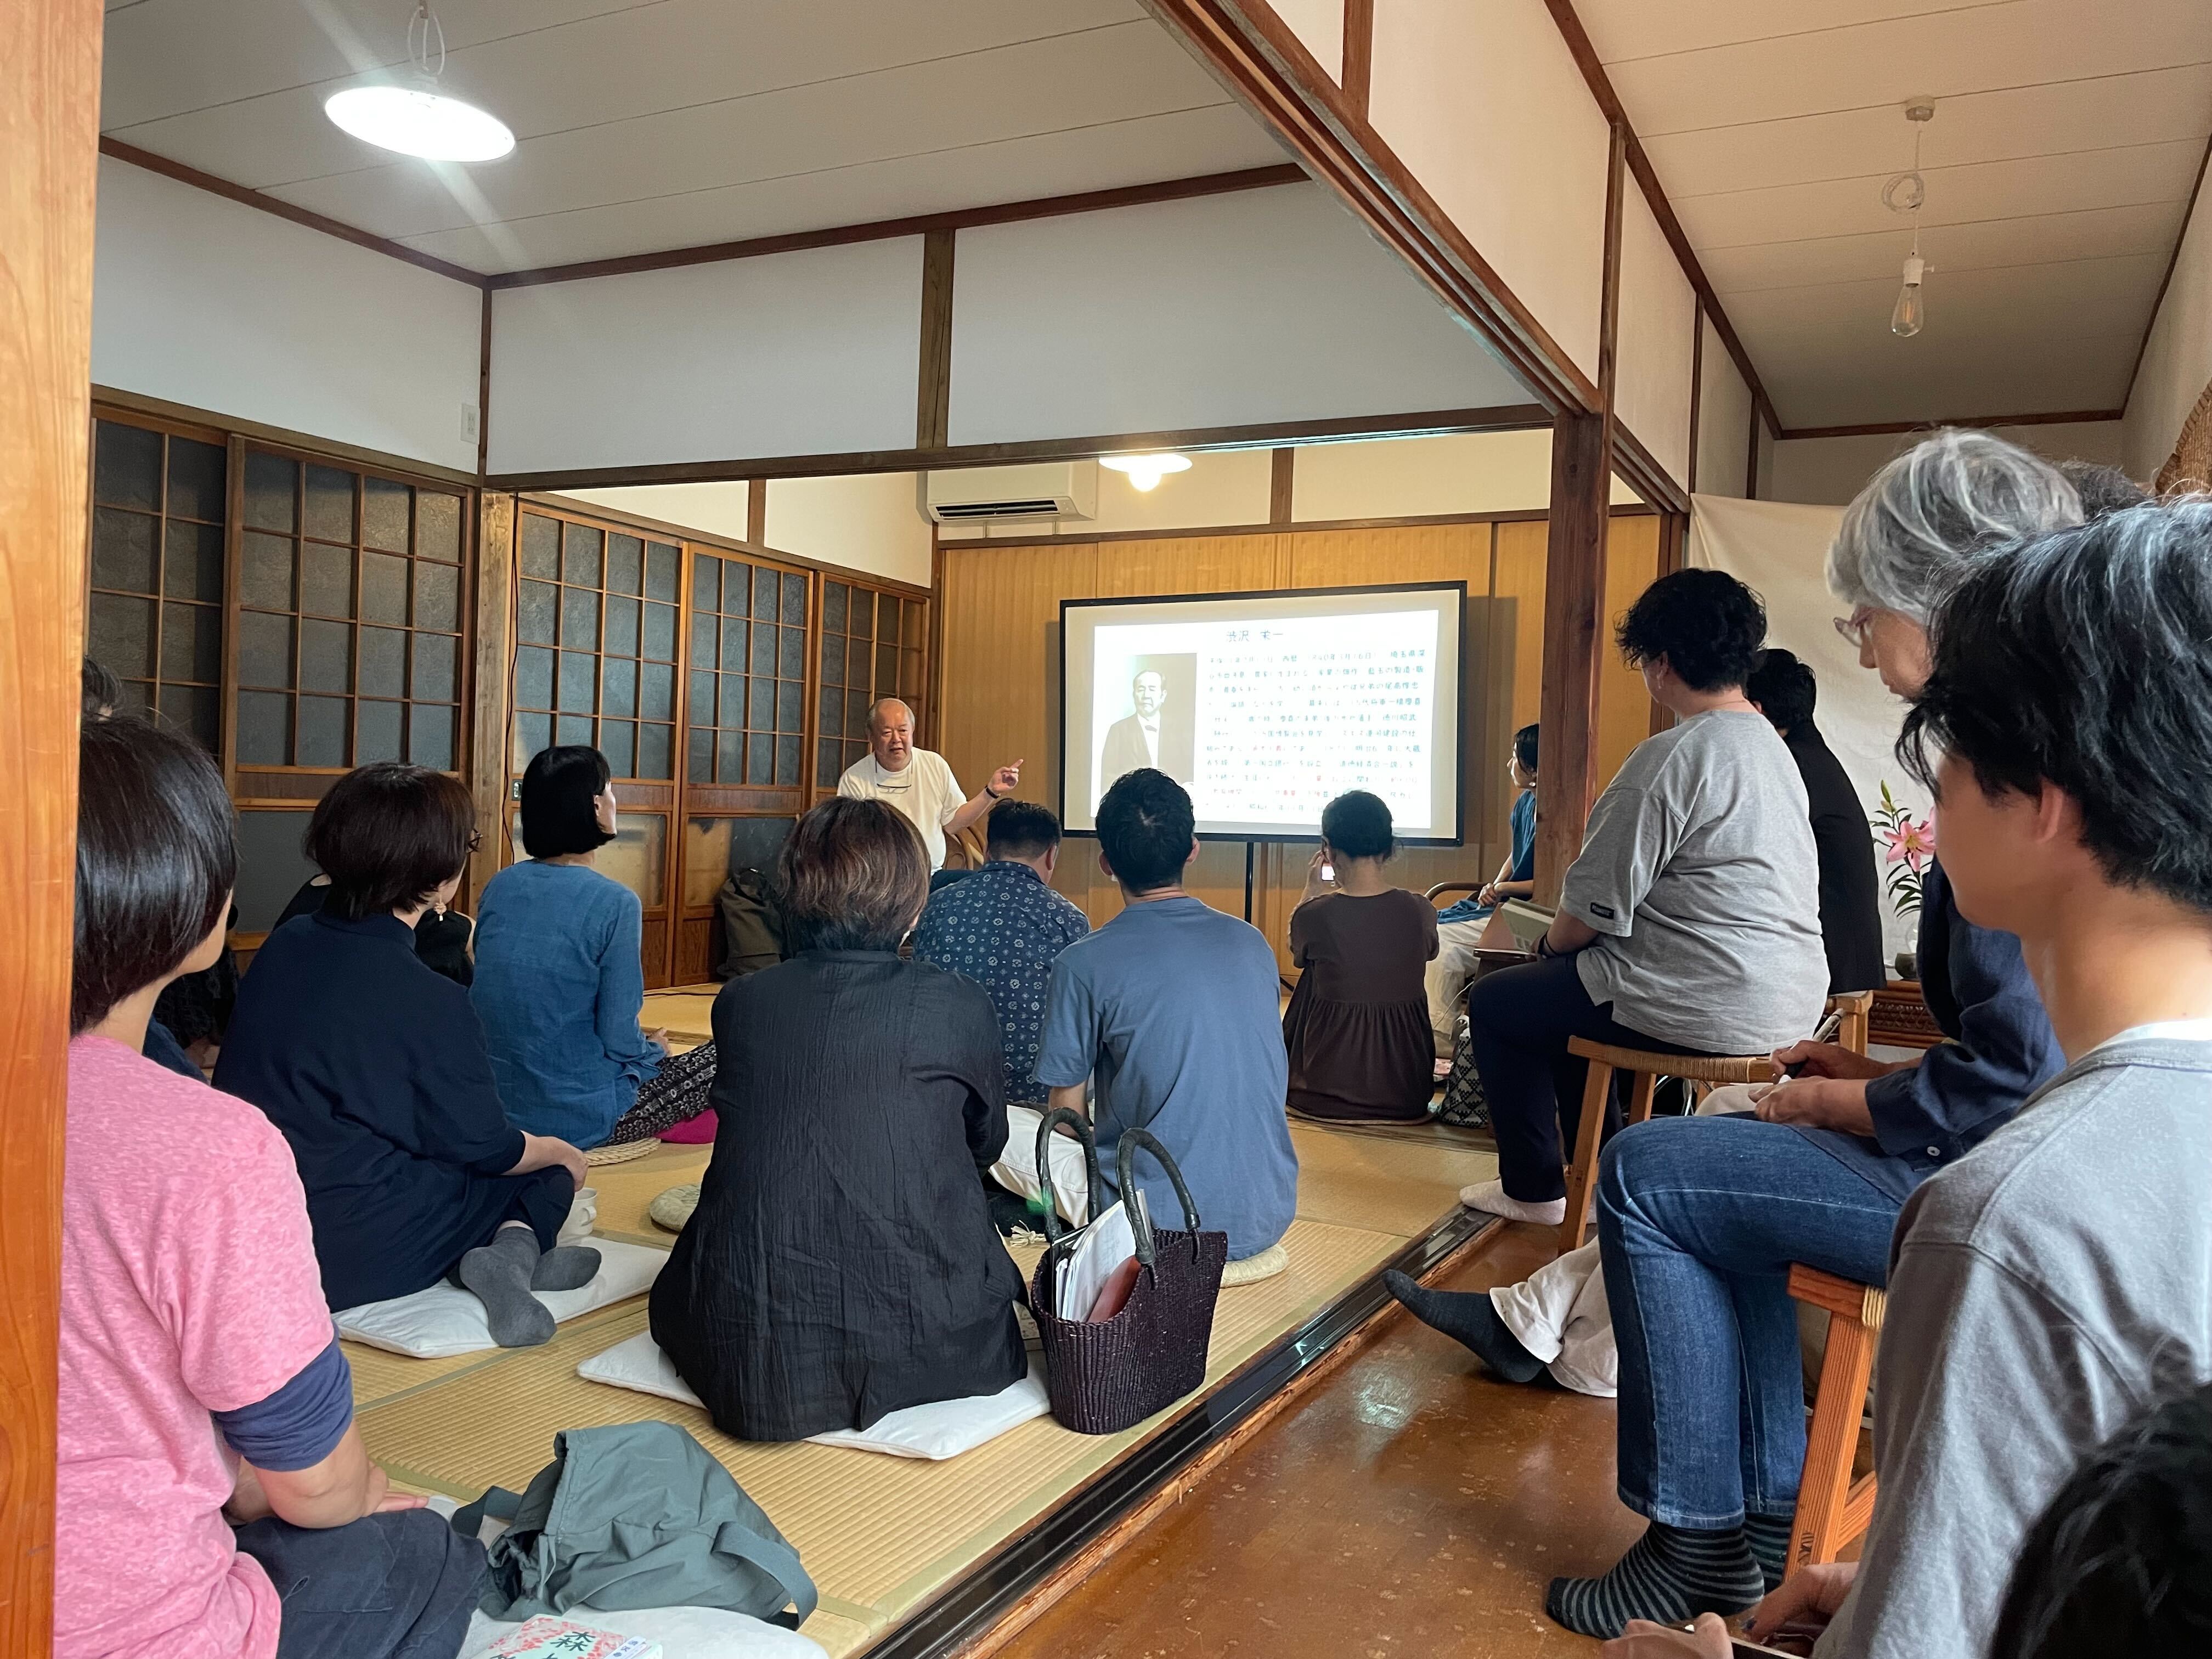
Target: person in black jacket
<point x="1783" y="689"/>
<point x="374" y="1068"/>
<point x="842" y="1264"/>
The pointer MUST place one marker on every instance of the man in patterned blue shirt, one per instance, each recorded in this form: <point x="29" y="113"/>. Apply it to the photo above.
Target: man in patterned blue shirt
<point x="1002" y="927"/>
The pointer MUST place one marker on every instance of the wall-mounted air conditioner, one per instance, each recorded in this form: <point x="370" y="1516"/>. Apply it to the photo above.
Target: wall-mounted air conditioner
<point x="1051" y="489"/>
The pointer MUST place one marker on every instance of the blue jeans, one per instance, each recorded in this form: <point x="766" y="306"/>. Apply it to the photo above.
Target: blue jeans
<point x="1698" y="1220"/>
<point x="399" y="1584"/>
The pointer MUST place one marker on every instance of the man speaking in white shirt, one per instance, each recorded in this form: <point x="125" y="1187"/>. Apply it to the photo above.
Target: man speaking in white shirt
<point x="1136" y="740"/>
<point x="918" y="781"/>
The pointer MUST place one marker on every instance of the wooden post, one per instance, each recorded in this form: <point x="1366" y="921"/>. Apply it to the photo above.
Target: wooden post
<point x="489" y="746"/>
<point x="1574" y="582"/>
<point x="49" y="168"/>
<point x="1574" y="628"/>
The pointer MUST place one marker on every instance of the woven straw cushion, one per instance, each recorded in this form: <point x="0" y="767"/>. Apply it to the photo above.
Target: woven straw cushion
<point x="673" y="1208"/>
<point x="622" y="1154"/>
<point x="1254" y="1268"/>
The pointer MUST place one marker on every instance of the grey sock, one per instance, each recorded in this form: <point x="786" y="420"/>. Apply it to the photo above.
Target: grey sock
<point x="1669" y="1576"/>
<point x="566" y="1268"/>
<point x="1469" y="1317"/>
<point x="499" y="1275"/>
<point x="1769" y="1536"/>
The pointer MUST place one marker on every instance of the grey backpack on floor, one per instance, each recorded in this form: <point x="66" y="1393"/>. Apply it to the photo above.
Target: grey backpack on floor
<point x="639" y="1514"/>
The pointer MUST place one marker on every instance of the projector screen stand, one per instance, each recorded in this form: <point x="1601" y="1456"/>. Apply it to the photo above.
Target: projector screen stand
<point x="1247" y="881"/>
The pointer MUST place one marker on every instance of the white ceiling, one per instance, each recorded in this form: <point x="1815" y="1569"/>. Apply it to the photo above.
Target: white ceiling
<point x="645" y="124"/>
<point x="2066" y="137"/>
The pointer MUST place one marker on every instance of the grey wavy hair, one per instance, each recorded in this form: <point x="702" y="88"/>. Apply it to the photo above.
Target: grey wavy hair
<point x="1909" y="535"/>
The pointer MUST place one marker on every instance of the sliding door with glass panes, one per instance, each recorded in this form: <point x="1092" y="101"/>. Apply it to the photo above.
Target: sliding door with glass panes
<point x="872" y="646"/>
<point x="745" y="725"/>
<point x="154" y="606"/>
<point x="595" y="663"/>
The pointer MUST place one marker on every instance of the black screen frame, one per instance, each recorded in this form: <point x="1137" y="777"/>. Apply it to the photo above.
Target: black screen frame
<point x="1457" y="838"/>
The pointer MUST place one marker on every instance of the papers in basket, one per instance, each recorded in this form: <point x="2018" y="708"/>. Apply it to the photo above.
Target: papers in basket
<point x="1101" y="1248"/>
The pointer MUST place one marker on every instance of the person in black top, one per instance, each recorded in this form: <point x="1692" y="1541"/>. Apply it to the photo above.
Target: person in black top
<point x="842" y="1264"/>
<point x="1783" y="689"/>
<point x="374" y="1068"/>
<point x="441" y="937"/>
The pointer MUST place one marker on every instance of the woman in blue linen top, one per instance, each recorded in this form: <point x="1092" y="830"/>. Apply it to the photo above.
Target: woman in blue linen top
<point x="559" y="980"/>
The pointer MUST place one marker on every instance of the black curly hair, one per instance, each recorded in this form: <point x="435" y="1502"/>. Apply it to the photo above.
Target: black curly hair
<point x="1707" y="625"/>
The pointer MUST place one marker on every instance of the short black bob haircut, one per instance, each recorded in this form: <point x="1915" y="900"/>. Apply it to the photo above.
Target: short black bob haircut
<point x="1525" y="748"/>
<point x="1020" y="829"/>
<point x="1783" y="688"/>
<point x="2083" y="659"/>
<point x="2120" y="1564"/>
<point x="1358" y="825"/>
<point x="1145" y="829"/>
<point x="156" y="857"/>
<point x="558" y="787"/>
<point x="389" y="836"/>
<point x="854" y="876"/>
<point x="1707" y="625"/>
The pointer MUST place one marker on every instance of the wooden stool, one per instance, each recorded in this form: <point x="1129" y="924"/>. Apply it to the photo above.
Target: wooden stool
<point x="1832" y="1508"/>
<point x="1647" y="1067"/>
<point x="1853" y="1010"/>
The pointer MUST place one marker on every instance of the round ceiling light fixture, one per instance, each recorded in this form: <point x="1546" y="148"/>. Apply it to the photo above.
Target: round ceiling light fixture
<point x="418" y="120"/>
<point x="1145" y="471"/>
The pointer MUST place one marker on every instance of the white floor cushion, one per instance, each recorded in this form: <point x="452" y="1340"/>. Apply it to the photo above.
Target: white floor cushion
<point x="683" y="1633"/>
<point x="446" y="1319"/>
<point x="936" y="1431"/>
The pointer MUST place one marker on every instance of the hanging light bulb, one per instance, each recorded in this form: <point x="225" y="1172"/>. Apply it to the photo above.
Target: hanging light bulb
<point x="1907" y="192"/>
<point x="1145" y="471"/>
<point x="1909" y="315"/>
<point x="418" y="120"/>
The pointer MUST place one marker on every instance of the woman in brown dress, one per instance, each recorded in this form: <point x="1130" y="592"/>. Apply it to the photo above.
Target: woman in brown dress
<point x="1357" y="1025"/>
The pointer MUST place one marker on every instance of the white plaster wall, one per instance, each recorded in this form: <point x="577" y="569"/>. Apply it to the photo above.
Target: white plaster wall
<point x="1723" y="420"/>
<point x="811" y="353"/>
<point x="865" y="521"/>
<point x="2177" y="362"/>
<point x="1658" y="340"/>
<point x="713" y="509"/>
<point x="201" y="301"/>
<point x="1483" y="103"/>
<point x="1263" y="305"/>
<point x="1319" y="25"/>
<point x="1829" y="472"/>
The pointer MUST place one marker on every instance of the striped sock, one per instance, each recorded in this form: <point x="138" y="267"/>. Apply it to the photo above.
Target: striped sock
<point x="1668" y="1575"/>
<point x="1769" y="1536"/>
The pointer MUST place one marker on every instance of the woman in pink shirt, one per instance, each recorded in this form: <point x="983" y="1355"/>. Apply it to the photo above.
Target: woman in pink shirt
<point x="214" y="1499"/>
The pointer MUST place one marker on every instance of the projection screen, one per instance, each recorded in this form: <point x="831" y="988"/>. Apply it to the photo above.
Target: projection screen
<point x="1266" y="705"/>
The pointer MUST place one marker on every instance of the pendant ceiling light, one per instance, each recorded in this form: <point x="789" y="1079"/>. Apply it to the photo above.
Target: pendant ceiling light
<point x="1907" y="192"/>
<point x="1145" y="471"/>
<point x="416" y="118"/>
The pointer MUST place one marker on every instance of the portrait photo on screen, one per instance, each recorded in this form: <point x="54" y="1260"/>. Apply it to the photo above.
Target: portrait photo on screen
<point x="1153" y="717"/>
<point x="1266" y="705"/>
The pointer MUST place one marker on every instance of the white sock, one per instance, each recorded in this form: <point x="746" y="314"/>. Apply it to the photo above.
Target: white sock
<point x="1489" y="1196"/>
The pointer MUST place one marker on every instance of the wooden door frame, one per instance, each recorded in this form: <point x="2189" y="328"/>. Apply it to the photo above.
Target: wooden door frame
<point x="48" y="161"/>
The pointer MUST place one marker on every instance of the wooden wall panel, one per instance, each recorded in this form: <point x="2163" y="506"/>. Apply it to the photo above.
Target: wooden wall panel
<point x="1624" y="707"/>
<point x="1001" y="610"/>
<point x="49" y="138"/>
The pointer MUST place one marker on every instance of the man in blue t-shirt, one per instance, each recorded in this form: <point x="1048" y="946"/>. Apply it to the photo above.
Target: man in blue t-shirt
<point x="1461" y="929"/>
<point x="1172" y="1008"/>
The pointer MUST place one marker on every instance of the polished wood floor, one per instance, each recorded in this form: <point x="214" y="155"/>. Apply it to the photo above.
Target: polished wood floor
<point x="1407" y="1506"/>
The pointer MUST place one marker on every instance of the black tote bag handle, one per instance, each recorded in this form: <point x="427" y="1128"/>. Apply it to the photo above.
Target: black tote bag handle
<point x="1065" y="1115"/>
<point x="1126" y="1163"/>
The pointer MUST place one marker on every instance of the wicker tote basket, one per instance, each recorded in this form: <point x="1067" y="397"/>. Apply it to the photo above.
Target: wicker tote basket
<point x="1105" y="1376"/>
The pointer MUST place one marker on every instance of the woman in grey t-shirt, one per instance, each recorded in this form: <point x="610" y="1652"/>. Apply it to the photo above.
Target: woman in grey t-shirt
<point x="1690" y="923"/>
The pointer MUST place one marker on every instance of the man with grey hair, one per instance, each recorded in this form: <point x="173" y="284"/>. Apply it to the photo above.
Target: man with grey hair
<point x="918" y="781"/>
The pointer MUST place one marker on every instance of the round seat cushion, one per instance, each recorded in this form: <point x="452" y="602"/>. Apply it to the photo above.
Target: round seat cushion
<point x="673" y="1208"/>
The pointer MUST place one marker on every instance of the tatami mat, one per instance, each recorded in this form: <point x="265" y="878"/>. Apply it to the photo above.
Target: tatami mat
<point x="882" y="1534"/>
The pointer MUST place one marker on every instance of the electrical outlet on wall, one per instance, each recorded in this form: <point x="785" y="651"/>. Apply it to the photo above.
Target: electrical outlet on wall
<point x="468" y="421"/>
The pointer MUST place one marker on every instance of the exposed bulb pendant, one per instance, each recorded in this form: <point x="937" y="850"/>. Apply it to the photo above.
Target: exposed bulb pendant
<point x="1905" y="319"/>
<point x="1907" y="192"/>
<point x="418" y="120"/>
